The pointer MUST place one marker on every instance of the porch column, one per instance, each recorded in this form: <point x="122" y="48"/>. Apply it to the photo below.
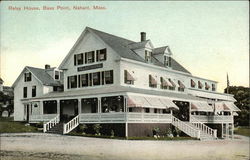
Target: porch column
<point x="99" y="105"/>
<point x="232" y="130"/>
<point x="126" y="130"/>
<point x="227" y="130"/>
<point x="41" y="107"/>
<point x="79" y="105"/>
<point x="58" y="106"/>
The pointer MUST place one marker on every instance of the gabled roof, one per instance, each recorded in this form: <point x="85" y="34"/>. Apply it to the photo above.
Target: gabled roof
<point x="123" y="47"/>
<point x="41" y="75"/>
<point x="138" y="45"/>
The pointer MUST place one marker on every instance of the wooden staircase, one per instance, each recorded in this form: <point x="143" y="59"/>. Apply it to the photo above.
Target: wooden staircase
<point x="57" y="127"/>
<point x="195" y="130"/>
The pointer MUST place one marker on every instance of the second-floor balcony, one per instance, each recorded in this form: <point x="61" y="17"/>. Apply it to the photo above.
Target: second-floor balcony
<point x="212" y="118"/>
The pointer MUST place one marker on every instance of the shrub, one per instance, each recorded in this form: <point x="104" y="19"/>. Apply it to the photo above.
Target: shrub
<point x="97" y="128"/>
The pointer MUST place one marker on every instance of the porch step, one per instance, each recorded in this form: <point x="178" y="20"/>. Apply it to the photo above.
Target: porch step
<point x="57" y="129"/>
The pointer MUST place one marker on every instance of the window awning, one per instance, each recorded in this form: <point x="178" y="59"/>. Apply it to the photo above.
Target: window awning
<point x="137" y="101"/>
<point x="201" y="106"/>
<point x="181" y="85"/>
<point x="129" y="76"/>
<point x="226" y="106"/>
<point x="169" y="103"/>
<point x="166" y="83"/>
<point x="172" y="83"/>
<point x="150" y="102"/>
<point x="153" y="80"/>
<point x="155" y="102"/>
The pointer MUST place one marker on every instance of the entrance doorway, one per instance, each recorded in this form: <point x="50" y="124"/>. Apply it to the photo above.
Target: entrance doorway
<point x="27" y="112"/>
<point x="183" y="112"/>
<point x="68" y="109"/>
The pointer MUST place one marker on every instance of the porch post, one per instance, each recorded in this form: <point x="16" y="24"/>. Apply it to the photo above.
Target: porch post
<point x="99" y="105"/>
<point x="58" y="106"/>
<point x="126" y="129"/>
<point x="79" y="105"/>
<point x="232" y="130"/>
<point x="227" y="130"/>
<point x="41" y="107"/>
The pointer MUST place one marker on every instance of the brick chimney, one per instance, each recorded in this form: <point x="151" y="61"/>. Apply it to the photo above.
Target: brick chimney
<point x="143" y="36"/>
<point x="47" y="66"/>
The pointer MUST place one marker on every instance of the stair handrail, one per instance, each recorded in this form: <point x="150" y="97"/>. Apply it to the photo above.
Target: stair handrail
<point x="191" y="131"/>
<point x="204" y="128"/>
<point x="51" y="123"/>
<point x="72" y="124"/>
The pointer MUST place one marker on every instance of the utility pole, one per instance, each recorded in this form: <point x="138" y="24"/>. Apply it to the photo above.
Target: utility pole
<point x="227" y="84"/>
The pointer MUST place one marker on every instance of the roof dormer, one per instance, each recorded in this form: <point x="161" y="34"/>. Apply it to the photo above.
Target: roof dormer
<point x="164" y="55"/>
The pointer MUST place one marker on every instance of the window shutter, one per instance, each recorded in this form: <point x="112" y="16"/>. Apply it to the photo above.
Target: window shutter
<point x="75" y="60"/>
<point x="68" y="83"/>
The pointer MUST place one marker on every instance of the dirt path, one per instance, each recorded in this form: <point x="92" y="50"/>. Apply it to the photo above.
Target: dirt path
<point x="49" y="147"/>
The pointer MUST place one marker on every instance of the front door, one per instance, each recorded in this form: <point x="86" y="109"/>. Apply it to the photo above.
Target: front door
<point x="183" y="112"/>
<point x="27" y="112"/>
<point x="68" y="109"/>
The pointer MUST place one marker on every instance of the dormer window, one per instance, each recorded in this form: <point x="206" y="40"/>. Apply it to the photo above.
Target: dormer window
<point x="148" y="56"/>
<point x="213" y="87"/>
<point x="167" y="61"/>
<point x="27" y="77"/>
<point x="57" y="75"/>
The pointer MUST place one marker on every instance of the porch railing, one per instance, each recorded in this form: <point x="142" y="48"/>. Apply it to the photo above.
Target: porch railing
<point x="119" y="117"/>
<point x="72" y="124"/>
<point x="212" y="118"/>
<point x="188" y="129"/>
<point x="41" y="117"/>
<point x="51" y="123"/>
<point x="204" y="128"/>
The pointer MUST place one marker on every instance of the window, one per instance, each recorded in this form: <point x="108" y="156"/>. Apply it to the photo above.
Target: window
<point x="213" y="87"/>
<point x="78" y="59"/>
<point x="109" y="77"/>
<point x="167" y="61"/>
<point x="173" y="85"/>
<point x="200" y="85"/>
<point x="207" y="86"/>
<point x="155" y="110"/>
<point x="96" y="78"/>
<point x="90" y="57"/>
<point x="128" y="79"/>
<point x="101" y="55"/>
<point x="181" y="86"/>
<point x="152" y="82"/>
<point x="27" y="77"/>
<point x="193" y="84"/>
<point x="72" y="81"/>
<point x="24" y="92"/>
<point x="57" y="75"/>
<point x="147" y="110"/>
<point x="163" y="83"/>
<point x="84" y="80"/>
<point x="33" y="91"/>
<point x="148" y="56"/>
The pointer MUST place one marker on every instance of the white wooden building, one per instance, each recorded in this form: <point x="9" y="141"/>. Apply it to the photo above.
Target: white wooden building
<point x="110" y="80"/>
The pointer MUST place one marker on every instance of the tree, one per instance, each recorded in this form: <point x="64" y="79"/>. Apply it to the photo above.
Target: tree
<point x="242" y="95"/>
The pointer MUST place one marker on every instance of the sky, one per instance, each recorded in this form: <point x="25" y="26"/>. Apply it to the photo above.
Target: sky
<point x="209" y="38"/>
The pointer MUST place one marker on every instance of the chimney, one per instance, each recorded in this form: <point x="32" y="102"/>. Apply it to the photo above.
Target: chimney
<point x="47" y="66"/>
<point x="143" y="36"/>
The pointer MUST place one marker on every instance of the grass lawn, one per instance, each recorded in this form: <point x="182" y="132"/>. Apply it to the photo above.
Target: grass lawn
<point x="7" y="125"/>
<point x="245" y="131"/>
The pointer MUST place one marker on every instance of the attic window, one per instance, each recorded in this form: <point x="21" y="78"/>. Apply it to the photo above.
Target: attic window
<point x="167" y="61"/>
<point x="27" y="77"/>
<point x="90" y="56"/>
<point x="148" y="56"/>
<point x="101" y="55"/>
<point x="213" y="87"/>
<point x="56" y="75"/>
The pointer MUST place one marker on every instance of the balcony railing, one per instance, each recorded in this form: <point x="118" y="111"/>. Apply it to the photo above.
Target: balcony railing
<point x="121" y="117"/>
<point x="212" y="119"/>
<point x="41" y="118"/>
